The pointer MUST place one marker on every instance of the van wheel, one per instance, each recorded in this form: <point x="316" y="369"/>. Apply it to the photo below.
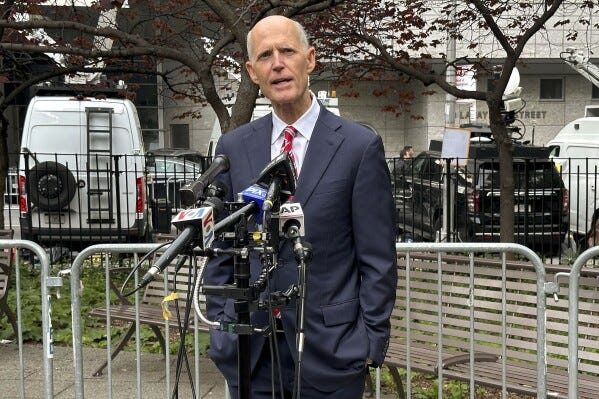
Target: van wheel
<point x="52" y="186"/>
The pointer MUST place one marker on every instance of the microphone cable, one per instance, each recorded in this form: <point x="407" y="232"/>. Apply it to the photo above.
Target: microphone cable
<point x="183" y="325"/>
<point x="136" y="268"/>
<point x="273" y="342"/>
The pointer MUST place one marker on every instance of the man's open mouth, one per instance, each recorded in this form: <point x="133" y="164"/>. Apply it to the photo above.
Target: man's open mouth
<point x="282" y="80"/>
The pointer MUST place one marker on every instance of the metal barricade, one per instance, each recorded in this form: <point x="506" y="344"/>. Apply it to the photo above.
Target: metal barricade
<point x="537" y="278"/>
<point x="113" y="249"/>
<point x="430" y="312"/>
<point x="573" y="305"/>
<point x="46" y="283"/>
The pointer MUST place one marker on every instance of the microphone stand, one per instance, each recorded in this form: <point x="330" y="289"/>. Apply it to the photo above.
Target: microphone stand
<point x="242" y="292"/>
<point x="241" y="270"/>
<point x="303" y="255"/>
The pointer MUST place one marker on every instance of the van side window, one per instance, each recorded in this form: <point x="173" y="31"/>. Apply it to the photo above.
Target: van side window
<point x="554" y="150"/>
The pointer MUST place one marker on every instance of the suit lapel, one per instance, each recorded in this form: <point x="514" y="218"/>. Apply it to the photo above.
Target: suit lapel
<point x="324" y="143"/>
<point x="257" y="143"/>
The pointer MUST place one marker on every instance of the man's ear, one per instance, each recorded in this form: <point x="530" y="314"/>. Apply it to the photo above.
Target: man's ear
<point x="311" y="59"/>
<point x="250" y="68"/>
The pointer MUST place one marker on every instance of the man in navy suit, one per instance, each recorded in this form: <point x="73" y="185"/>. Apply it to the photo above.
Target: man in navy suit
<point x="344" y="189"/>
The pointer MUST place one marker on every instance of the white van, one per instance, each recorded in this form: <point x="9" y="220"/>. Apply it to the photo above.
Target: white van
<point x="575" y="151"/>
<point x="81" y="171"/>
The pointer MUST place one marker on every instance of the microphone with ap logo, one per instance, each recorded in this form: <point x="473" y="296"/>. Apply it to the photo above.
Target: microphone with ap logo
<point x="291" y="215"/>
<point x="291" y="226"/>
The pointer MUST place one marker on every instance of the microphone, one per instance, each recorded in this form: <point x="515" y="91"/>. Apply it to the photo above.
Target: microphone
<point x="254" y="197"/>
<point x="197" y="223"/>
<point x="216" y="189"/>
<point x="215" y="194"/>
<point x="258" y="195"/>
<point x="190" y="192"/>
<point x="274" y="190"/>
<point x="291" y="225"/>
<point x="291" y="214"/>
<point x="280" y="168"/>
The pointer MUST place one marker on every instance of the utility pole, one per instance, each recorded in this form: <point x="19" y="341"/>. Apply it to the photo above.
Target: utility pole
<point x="450" y="73"/>
<point x="450" y="106"/>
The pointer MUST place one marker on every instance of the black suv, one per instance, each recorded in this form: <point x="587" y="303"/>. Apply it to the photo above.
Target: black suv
<point x="541" y="200"/>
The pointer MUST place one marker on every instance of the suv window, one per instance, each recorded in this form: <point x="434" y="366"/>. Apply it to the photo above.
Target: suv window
<point x="428" y="167"/>
<point x="533" y="175"/>
<point x="417" y="165"/>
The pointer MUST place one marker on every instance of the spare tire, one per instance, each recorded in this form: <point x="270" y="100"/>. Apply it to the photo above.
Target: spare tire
<point x="52" y="186"/>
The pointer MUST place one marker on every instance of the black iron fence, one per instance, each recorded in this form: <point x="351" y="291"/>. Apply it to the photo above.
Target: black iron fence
<point x="74" y="200"/>
<point x="447" y="200"/>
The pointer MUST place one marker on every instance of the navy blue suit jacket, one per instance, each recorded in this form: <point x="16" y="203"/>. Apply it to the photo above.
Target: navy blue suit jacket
<point x="345" y="192"/>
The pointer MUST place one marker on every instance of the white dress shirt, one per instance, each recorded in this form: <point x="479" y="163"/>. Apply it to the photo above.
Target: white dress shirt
<point x="304" y="125"/>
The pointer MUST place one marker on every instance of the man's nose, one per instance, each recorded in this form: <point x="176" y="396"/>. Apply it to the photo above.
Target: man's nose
<point x="277" y="61"/>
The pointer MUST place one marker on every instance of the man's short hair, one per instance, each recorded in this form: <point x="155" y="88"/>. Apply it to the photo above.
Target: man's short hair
<point x="302" y="33"/>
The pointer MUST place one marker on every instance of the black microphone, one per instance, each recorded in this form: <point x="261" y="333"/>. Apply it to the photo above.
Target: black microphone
<point x="183" y="240"/>
<point x="273" y="193"/>
<point x="216" y="189"/>
<point x="191" y="192"/>
<point x="236" y="216"/>
<point x="197" y="223"/>
<point x="254" y="197"/>
<point x="282" y="168"/>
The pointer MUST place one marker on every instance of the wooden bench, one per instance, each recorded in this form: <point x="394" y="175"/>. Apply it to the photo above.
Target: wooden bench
<point x="150" y="308"/>
<point x="6" y="264"/>
<point x="521" y="324"/>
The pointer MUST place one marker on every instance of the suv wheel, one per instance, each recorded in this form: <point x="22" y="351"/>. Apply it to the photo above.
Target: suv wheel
<point x="52" y="186"/>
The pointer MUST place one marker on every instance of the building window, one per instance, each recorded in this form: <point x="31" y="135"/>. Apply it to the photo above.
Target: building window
<point x="594" y="92"/>
<point x="551" y="89"/>
<point x="180" y="135"/>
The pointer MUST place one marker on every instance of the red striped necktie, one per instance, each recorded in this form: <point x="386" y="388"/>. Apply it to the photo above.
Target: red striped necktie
<point x="289" y="133"/>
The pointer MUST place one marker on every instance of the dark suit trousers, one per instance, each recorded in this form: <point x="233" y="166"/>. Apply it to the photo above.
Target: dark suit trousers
<point x="262" y="379"/>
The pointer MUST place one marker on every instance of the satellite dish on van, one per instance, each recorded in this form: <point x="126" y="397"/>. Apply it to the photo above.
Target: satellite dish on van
<point x="513" y="83"/>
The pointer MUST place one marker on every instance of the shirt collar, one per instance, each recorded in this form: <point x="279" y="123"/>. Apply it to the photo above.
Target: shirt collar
<point x="305" y="124"/>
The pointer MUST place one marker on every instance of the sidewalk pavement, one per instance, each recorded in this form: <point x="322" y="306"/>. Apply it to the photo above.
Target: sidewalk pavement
<point x="153" y="375"/>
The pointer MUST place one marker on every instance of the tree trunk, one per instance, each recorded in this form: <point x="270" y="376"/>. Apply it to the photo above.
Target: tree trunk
<point x="506" y="171"/>
<point x="506" y="176"/>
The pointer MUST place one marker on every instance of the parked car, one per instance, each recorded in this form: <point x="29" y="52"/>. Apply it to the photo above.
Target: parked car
<point x="540" y="197"/>
<point x="183" y="154"/>
<point x="166" y="177"/>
